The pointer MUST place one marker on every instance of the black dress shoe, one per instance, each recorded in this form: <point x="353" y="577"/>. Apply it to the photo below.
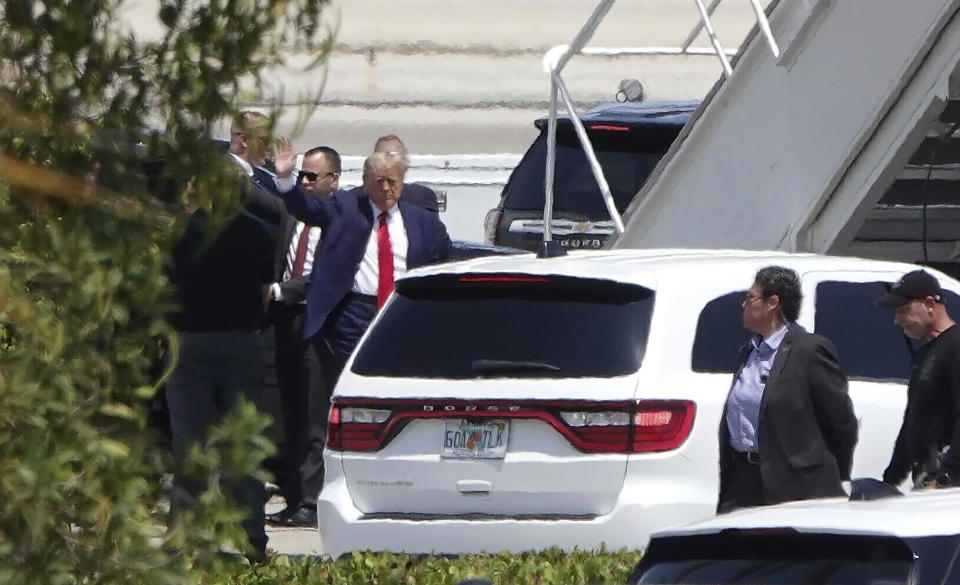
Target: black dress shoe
<point x="302" y="516"/>
<point x="280" y="518"/>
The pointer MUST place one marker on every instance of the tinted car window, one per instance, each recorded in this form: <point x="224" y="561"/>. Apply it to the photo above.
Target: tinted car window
<point x="869" y="344"/>
<point x="779" y="572"/>
<point x="720" y="334"/>
<point x="625" y="158"/>
<point x="779" y="557"/>
<point x="469" y="326"/>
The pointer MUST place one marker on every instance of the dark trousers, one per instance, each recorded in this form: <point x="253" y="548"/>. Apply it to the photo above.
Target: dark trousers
<point x="347" y="323"/>
<point x="213" y="371"/>
<point x="741" y="485"/>
<point x="302" y="372"/>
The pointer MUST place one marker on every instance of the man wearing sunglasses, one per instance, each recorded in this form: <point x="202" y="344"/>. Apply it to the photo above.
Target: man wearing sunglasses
<point x="304" y="394"/>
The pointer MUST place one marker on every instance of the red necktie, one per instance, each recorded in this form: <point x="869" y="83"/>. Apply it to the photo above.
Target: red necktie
<point x="384" y="262"/>
<point x="301" y="257"/>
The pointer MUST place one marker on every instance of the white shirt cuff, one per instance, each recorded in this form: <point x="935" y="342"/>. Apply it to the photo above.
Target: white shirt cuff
<point x="277" y="293"/>
<point x="287" y="183"/>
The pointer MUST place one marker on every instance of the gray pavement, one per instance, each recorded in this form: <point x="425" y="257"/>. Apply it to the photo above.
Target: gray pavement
<point x="291" y="541"/>
<point x="459" y="76"/>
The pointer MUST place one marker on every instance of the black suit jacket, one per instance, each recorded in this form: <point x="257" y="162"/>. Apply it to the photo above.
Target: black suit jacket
<point x="807" y="429"/>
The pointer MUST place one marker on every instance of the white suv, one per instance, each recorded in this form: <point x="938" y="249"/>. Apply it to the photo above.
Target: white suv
<point x="518" y="403"/>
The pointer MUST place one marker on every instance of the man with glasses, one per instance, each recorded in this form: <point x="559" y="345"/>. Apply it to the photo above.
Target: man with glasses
<point x="928" y="445"/>
<point x="304" y="390"/>
<point x="788" y="428"/>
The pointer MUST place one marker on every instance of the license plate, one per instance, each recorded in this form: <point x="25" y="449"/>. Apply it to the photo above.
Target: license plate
<point x="582" y="243"/>
<point x="477" y="440"/>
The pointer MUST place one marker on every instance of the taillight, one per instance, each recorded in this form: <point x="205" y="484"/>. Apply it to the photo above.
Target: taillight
<point x="356" y="429"/>
<point x="650" y="427"/>
<point x="609" y="127"/>
<point x="491" y="223"/>
<point x="662" y="425"/>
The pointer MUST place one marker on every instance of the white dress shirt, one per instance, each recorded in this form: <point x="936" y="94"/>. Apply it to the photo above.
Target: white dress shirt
<point x="366" y="280"/>
<point x="243" y="164"/>
<point x="312" y="240"/>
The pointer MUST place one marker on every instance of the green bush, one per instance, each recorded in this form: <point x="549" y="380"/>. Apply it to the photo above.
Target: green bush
<point x="82" y="288"/>
<point x="550" y="567"/>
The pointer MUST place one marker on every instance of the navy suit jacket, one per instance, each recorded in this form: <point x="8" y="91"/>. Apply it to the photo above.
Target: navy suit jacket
<point x="413" y="193"/>
<point x="347" y="221"/>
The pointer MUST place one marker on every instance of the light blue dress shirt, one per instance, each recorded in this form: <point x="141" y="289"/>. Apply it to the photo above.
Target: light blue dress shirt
<point x="743" y="404"/>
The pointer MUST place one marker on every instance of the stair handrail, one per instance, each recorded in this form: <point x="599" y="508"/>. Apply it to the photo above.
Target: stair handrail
<point x="556" y="59"/>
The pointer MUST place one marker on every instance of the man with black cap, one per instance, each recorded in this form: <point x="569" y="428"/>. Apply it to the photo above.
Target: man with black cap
<point x="928" y="445"/>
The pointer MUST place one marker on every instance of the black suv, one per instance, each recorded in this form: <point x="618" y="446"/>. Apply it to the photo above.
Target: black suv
<point x="629" y="139"/>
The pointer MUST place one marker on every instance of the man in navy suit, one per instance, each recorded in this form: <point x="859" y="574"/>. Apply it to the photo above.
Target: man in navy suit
<point x="414" y="193"/>
<point x="367" y="232"/>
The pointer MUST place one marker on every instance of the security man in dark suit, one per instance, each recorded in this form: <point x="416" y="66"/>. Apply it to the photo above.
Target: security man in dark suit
<point x="305" y="393"/>
<point x="248" y="147"/>
<point x="413" y="193"/>
<point x="788" y="429"/>
<point x="219" y="273"/>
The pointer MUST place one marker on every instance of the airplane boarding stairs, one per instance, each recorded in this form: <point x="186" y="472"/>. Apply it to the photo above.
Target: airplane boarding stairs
<point x="843" y="139"/>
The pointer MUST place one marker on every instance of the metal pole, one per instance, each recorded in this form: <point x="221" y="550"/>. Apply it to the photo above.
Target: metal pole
<point x="653" y="50"/>
<point x="551" y="162"/>
<point x="705" y="18"/>
<point x="764" y="25"/>
<point x="586" y="32"/>
<point x="591" y="155"/>
<point x="698" y="27"/>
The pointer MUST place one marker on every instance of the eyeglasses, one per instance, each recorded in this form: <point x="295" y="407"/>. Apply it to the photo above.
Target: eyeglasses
<point x="750" y="297"/>
<point x="311" y="176"/>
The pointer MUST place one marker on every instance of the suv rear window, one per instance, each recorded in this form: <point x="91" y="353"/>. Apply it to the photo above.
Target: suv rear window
<point x="626" y="156"/>
<point x="472" y="325"/>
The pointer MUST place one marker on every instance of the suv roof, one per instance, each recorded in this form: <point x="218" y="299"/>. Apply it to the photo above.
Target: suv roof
<point x="645" y="113"/>
<point x="634" y="265"/>
<point x="917" y="514"/>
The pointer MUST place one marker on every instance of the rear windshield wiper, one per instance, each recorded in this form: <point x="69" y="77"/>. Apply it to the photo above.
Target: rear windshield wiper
<point x="511" y="368"/>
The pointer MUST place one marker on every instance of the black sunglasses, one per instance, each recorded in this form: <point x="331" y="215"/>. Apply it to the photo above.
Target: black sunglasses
<point x="311" y="176"/>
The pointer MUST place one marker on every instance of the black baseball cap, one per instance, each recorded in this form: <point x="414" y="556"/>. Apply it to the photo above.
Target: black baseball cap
<point x="917" y="284"/>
